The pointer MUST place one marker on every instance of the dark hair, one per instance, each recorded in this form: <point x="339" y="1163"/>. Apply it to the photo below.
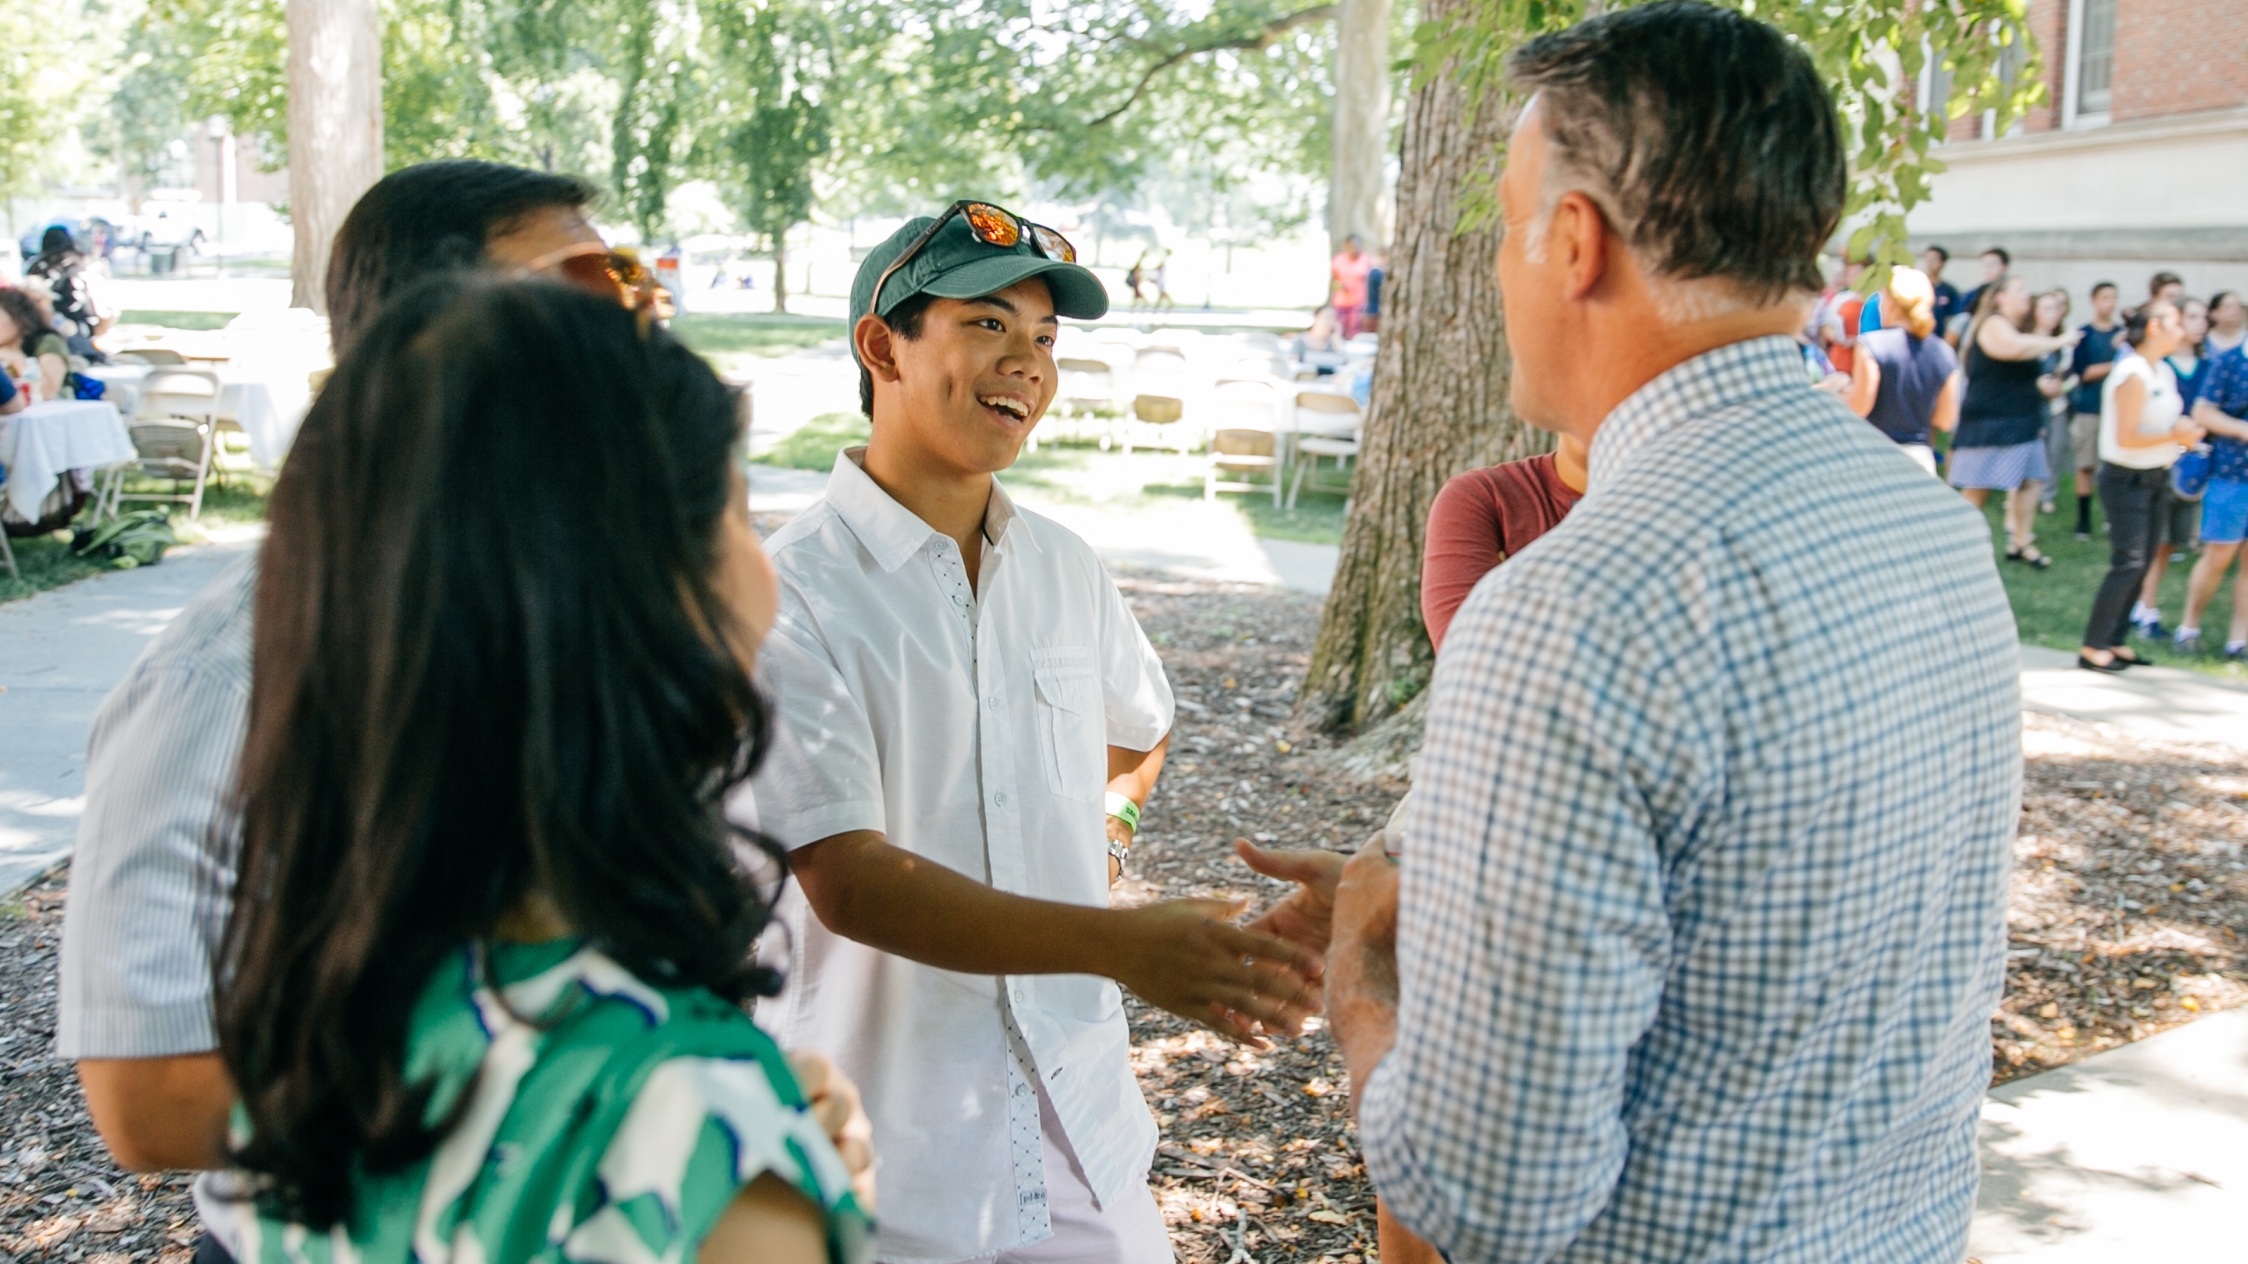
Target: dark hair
<point x="1986" y="306"/>
<point x="904" y="321"/>
<point x="1709" y="141"/>
<point x="2135" y="321"/>
<point x="2160" y="279"/>
<point x="1939" y="252"/>
<point x="488" y="659"/>
<point x="2097" y="286"/>
<point x="57" y="240"/>
<point x="428" y="218"/>
<point x="24" y="310"/>
<point x="2000" y="251"/>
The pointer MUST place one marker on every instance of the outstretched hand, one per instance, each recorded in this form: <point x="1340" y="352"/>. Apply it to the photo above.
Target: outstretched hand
<point x="835" y="1104"/>
<point x="1187" y="957"/>
<point x="1306" y="915"/>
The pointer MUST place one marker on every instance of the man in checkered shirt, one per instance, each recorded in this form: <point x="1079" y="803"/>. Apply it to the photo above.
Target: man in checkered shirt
<point x="1699" y="917"/>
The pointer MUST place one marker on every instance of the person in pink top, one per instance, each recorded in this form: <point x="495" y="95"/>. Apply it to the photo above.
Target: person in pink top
<point x="1351" y="267"/>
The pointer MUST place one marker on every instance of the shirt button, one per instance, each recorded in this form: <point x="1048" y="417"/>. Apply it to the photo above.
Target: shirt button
<point x="1000" y="798"/>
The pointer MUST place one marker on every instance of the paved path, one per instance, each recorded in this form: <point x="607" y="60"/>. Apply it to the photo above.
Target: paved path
<point x="2159" y="702"/>
<point x="2140" y="1153"/>
<point x="60" y="654"/>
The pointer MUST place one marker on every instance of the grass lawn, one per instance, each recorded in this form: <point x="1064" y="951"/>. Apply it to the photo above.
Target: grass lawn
<point x="47" y="562"/>
<point x="813" y="445"/>
<point x="721" y="338"/>
<point x="179" y="320"/>
<point x="1081" y="473"/>
<point x="2050" y="606"/>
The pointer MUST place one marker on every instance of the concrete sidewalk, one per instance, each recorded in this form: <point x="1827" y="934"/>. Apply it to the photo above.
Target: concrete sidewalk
<point x="2158" y="702"/>
<point x="60" y="654"/>
<point x="2140" y="1153"/>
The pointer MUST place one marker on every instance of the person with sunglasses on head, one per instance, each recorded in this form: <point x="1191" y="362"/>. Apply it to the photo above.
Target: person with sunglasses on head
<point x="152" y="874"/>
<point x="970" y="722"/>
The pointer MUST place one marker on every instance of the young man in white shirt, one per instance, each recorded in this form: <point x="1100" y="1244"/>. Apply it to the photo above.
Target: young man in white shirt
<point x="961" y="690"/>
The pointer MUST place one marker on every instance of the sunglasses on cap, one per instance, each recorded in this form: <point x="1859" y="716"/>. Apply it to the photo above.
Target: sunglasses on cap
<point x="991" y="225"/>
<point x="594" y="267"/>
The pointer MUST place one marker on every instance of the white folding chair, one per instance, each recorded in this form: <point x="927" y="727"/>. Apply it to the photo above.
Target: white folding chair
<point x="1327" y="425"/>
<point x="1161" y="383"/>
<point x="1163" y="417"/>
<point x="174" y="427"/>
<point x="1244" y="439"/>
<point x="149" y="355"/>
<point x="1086" y="397"/>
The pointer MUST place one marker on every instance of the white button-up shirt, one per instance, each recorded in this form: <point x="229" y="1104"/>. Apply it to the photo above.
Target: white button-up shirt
<point x="969" y="724"/>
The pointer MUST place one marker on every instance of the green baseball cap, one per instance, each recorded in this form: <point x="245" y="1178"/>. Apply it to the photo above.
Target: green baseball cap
<point x="958" y="264"/>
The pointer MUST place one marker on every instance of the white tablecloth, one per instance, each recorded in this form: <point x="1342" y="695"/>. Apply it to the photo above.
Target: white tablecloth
<point x="38" y="444"/>
<point x="270" y="425"/>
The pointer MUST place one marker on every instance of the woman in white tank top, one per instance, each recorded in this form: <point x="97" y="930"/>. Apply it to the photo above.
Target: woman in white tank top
<point x="2142" y="431"/>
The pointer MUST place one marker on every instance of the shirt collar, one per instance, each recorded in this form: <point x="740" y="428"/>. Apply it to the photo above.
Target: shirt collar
<point x="1710" y="382"/>
<point x="891" y="532"/>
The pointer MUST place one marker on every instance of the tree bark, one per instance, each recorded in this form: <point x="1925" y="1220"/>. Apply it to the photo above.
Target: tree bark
<point x="1439" y="407"/>
<point x="335" y="129"/>
<point x="1361" y="124"/>
<point x="780" y="273"/>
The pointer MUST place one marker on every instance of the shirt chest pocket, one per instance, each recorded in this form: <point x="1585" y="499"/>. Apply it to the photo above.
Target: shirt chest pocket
<point x="1072" y="745"/>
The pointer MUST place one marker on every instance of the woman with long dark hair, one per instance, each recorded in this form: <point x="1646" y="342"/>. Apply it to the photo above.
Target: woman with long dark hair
<point x="30" y="349"/>
<point x="2228" y="324"/>
<point x="481" y="989"/>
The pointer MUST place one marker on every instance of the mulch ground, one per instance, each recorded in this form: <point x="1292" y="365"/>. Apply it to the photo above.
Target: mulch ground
<point x="2130" y="901"/>
<point x="60" y="1196"/>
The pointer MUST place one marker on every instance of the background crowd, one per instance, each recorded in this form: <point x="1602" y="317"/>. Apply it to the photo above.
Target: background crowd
<point x="2141" y="407"/>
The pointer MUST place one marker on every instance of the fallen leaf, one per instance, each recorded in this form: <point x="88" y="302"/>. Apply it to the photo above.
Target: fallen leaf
<point x="1324" y="1216"/>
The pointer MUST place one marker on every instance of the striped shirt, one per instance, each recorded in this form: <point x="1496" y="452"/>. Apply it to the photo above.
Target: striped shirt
<point x="154" y="867"/>
<point x="157" y="844"/>
<point x="1703" y="909"/>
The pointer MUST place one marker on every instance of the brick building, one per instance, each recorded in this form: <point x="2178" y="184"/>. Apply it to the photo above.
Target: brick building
<point x="2137" y="160"/>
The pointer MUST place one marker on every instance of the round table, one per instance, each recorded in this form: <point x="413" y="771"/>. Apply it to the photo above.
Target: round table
<point x="45" y="441"/>
<point x="270" y="425"/>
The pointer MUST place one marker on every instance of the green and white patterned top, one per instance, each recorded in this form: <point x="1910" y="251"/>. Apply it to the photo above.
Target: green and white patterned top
<point x="612" y="1127"/>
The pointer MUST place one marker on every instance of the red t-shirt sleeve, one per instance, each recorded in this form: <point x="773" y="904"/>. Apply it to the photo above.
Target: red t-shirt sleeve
<point x="1461" y="548"/>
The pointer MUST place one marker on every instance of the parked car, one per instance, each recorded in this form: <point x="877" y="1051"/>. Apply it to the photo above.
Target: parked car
<point x="96" y="237"/>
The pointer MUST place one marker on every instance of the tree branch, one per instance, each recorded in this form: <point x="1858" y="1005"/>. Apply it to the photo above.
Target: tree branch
<point x="1257" y="42"/>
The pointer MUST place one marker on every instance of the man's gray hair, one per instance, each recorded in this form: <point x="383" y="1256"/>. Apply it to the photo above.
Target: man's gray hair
<point x="1707" y="141"/>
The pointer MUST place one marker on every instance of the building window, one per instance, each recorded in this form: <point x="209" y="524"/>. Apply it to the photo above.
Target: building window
<point x="2091" y="69"/>
<point x="1935" y="87"/>
<point x="2012" y="56"/>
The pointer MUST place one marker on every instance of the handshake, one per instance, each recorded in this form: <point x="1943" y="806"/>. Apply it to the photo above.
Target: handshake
<point x="1265" y="978"/>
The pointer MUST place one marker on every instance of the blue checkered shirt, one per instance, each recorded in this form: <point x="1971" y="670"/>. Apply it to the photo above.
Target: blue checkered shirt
<point x="1703" y="911"/>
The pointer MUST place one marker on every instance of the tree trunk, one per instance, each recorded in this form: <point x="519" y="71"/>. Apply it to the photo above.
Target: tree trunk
<point x="335" y="129"/>
<point x="1439" y="407"/>
<point x="780" y="273"/>
<point x="1361" y="124"/>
